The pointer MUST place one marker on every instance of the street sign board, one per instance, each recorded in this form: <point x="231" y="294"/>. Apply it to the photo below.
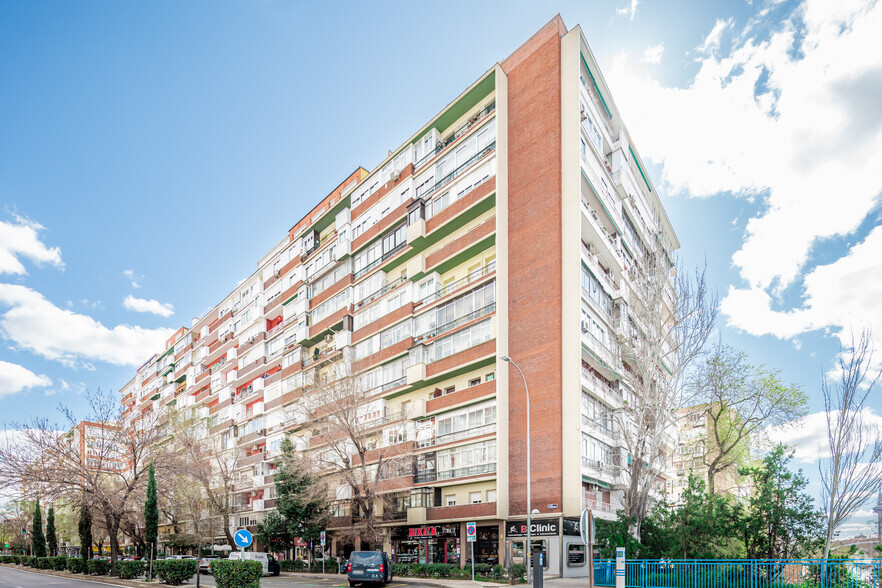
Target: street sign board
<point x="471" y="532"/>
<point x="322" y="536"/>
<point x="586" y="527"/>
<point x="243" y="538"/>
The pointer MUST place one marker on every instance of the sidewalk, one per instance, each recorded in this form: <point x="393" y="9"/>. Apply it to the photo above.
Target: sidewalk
<point x="554" y="581"/>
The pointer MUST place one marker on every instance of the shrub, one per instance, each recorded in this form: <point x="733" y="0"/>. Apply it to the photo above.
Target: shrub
<point x="59" y="563"/>
<point x="98" y="567"/>
<point x="174" y="571"/>
<point x="32" y="561"/>
<point x="482" y="569"/>
<point x="497" y="572"/>
<point x="231" y="573"/>
<point x="517" y="573"/>
<point x="22" y="560"/>
<point x="75" y="565"/>
<point x="400" y="569"/>
<point x="43" y="563"/>
<point x="129" y="570"/>
<point x="8" y="559"/>
<point x="439" y="570"/>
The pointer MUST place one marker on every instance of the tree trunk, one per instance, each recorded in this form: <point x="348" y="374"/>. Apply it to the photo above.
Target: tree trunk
<point x="228" y="534"/>
<point x="114" y="545"/>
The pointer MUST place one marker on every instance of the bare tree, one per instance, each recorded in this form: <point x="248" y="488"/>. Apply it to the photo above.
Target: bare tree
<point x="211" y="462"/>
<point x="736" y="401"/>
<point x="15" y="517"/>
<point x="670" y="318"/>
<point x="105" y="468"/>
<point x="348" y="446"/>
<point x="851" y="474"/>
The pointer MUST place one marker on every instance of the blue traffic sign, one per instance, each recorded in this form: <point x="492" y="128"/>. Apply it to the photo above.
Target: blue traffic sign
<point x="243" y="538"/>
<point x="471" y="532"/>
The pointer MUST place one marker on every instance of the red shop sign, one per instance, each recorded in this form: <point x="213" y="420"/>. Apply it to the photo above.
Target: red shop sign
<point x="422" y="532"/>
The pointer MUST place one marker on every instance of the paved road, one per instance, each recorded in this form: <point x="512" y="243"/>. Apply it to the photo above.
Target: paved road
<point x="12" y="578"/>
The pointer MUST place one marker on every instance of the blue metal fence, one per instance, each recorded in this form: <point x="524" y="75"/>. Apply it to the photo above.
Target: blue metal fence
<point x="743" y="573"/>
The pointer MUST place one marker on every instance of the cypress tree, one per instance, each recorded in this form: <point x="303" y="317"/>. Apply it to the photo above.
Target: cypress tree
<point x="151" y="514"/>
<point x="51" y="537"/>
<point x="85" y="530"/>
<point x="37" y="538"/>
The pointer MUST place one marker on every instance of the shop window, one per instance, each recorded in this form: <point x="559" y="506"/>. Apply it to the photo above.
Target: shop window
<point x="475" y="497"/>
<point x="576" y="555"/>
<point x="450" y="500"/>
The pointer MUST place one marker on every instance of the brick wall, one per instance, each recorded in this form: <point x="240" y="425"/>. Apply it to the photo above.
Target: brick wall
<point x="534" y="247"/>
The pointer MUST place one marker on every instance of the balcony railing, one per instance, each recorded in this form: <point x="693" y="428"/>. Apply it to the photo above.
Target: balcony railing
<point x="473" y="276"/>
<point x="379" y="260"/>
<point x="467" y="318"/>
<point x="456" y="134"/>
<point x="459" y="170"/>
<point x="387" y="288"/>
<point x="476" y="470"/>
<point x="456" y="436"/>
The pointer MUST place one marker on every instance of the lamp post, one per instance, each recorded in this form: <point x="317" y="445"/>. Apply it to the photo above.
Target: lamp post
<point x="529" y="549"/>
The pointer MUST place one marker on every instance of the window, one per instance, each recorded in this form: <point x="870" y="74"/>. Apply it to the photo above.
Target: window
<point x="467" y="460"/>
<point x="490" y="377"/>
<point x="450" y="390"/>
<point x="474" y="497"/>
<point x="491" y="495"/>
<point x="595" y="292"/>
<point x="450" y="500"/>
<point x="459" y="341"/>
<point x="474" y="382"/>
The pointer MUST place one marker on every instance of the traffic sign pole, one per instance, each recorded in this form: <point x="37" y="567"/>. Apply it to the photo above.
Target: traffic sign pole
<point x="471" y="535"/>
<point x="242" y="539"/>
<point x="323" y="551"/>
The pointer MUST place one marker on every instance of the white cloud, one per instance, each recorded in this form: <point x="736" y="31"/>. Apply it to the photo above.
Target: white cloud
<point x="630" y="10"/>
<point x="151" y="306"/>
<point x="794" y="123"/>
<point x="35" y="324"/>
<point x="809" y="437"/>
<point x="654" y="54"/>
<point x="712" y="41"/>
<point x="19" y="240"/>
<point x="133" y="277"/>
<point x="15" y="378"/>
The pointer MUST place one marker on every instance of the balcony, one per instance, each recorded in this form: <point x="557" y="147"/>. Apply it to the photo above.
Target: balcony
<point x="462" y="130"/>
<point x="466" y="472"/>
<point x="385" y="257"/>
<point x="387" y="288"/>
<point x="476" y="510"/>
<point x="454" y="324"/>
<point x="456" y="436"/>
<point x="458" y="171"/>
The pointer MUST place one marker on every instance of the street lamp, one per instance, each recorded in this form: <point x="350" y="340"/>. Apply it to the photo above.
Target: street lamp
<point x="529" y="549"/>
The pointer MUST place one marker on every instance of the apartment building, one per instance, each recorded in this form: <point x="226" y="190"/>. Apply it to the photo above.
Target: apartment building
<point x="695" y="449"/>
<point x="507" y="225"/>
<point x="97" y="444"/>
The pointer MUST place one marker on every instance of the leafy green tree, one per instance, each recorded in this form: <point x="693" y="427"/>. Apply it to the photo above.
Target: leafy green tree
<point x="275" y="532"/>
<point x="37" y="538"/>
<point x="781" y="521"/>
<point x="51" y="535"/>
<point x="612" y="534"/>
<point x="302" y="499"/>
<point x="84" y="527"/>
<point x="151" y="514"/>
<point x="738" y="401"/>
<point x="705" y="525"/>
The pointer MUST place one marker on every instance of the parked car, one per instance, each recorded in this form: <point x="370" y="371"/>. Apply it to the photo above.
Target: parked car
<point x="270" y="566"/>
<point x="205" y="563"/>
<point x="369" y="566"/>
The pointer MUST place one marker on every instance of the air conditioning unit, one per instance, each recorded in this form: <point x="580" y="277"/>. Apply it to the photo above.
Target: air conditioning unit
<point x="601" y="466"/>
<point x="582" y="114"/>
<point x="328" y="338"/>
<point x="395" y="175"/>
<point x="277" y="274"/>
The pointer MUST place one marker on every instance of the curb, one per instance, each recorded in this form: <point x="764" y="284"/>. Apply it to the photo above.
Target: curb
<point x="432" y="582"/>
<point x="82" y="577"/>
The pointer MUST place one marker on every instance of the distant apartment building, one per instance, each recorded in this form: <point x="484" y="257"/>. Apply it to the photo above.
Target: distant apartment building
<point x="695" y="449"/>
<point x="507" y="225"/>
<point x="97" y="444"/>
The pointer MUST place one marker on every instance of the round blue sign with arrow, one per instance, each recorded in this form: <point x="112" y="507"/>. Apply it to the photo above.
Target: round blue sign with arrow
<point x="243" y="538"/>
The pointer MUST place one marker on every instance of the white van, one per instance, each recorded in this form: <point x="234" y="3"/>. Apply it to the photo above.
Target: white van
<point x="270" y="566"/>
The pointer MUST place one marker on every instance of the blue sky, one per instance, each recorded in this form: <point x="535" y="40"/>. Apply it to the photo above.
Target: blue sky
<point x="151" y="153"/>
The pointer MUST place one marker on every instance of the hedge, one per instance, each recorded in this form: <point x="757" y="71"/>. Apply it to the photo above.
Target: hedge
<point x="297" y="565"/>
<point x="31" y="561"/>
<point x="59" y="562"/>
<point x="174" y="571"/>
<point x="129" y="570"/>
<point x="9" y="559"/>
<point x="76" y="565"/>
<point x="98" y="567"/>
<point x="43" y="563"/>
<point x="442" y="570"/>
<point x="517" y="572"/>
<point x="231" y="573"/>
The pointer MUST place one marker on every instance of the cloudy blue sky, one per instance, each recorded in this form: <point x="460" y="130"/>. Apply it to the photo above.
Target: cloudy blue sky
<point x="151" y="153"/>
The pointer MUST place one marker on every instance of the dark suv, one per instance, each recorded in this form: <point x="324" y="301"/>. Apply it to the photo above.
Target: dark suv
<point x="369" y="566"/>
